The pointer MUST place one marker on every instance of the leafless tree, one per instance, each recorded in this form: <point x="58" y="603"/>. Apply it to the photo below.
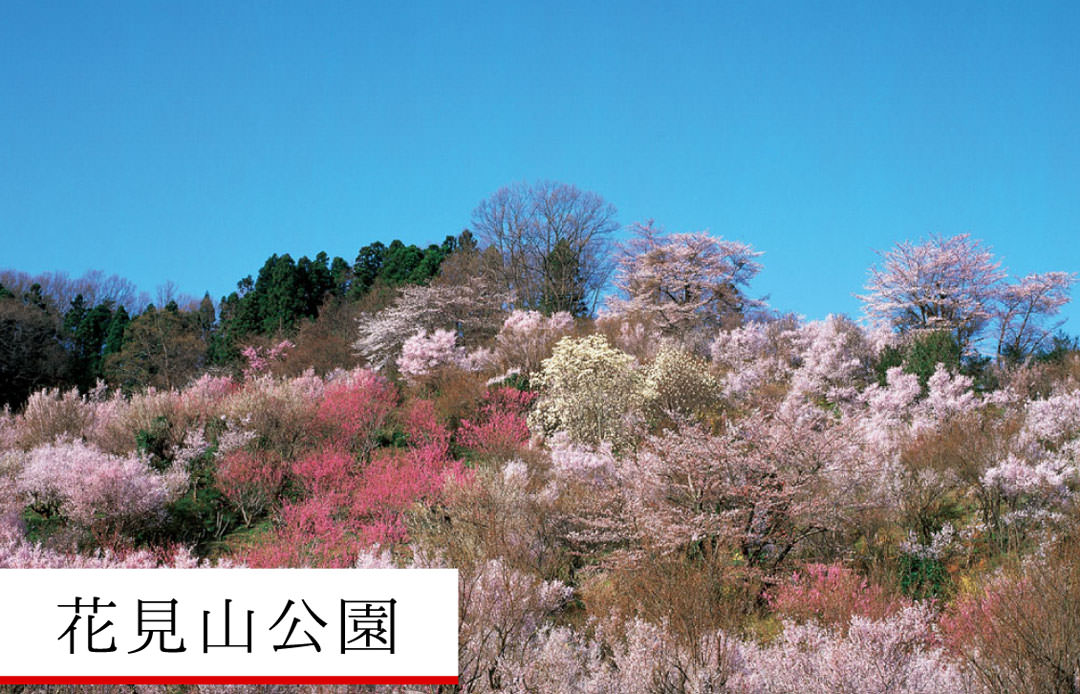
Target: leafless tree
<point x="554" y="240"/>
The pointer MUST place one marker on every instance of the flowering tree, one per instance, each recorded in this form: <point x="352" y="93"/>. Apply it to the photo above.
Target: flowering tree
<point x="834" y="358"/>
<point x="589" y="389"/>
<point x="423" y="353"/>
<point x="755" y="489"/>
<point x="474" y="311"/>
<point x="526" y="338"/>
<point x="97" y="491"/>
<point x="896" y="654"/>
<point x="501" y="611"/>
<point x="1023" y="310"/>
<point x="754" y="355"/>
<point x="944" y="283"/>
<point x="682" y="281"/>
<point x="679" y="384"/>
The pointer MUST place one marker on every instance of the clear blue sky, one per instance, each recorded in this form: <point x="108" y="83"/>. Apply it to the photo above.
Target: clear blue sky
<point x="187" y="141"/>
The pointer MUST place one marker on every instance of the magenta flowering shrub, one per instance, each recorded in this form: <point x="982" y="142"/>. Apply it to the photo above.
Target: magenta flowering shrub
<point x="347" y="509"/>
<point x="349" y="504"/>
<point x="259" y="359"/>
<point x="250" y="482"/>
<point x="351" y="414"/>
<point x="424" y="427"/>
<point x="500" y="430"/>
<point x="830" y="594"/>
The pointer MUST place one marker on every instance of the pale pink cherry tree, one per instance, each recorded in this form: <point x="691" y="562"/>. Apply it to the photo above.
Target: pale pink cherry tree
<point x="527" y="337"/>
<point x="502" y="612"/>
<point x="755" y="355"/>
<point x="474" y="311"/>
<point x="1024" y="309"/>
<point x="682" y="281"/>
<point x="424" y="353"/>
<point x="102" y="493"/>
<point x="896" y="655"/>
<point x="834" y="360"/>
<point x="941" y="284"/>
<point x="755" y="488"/>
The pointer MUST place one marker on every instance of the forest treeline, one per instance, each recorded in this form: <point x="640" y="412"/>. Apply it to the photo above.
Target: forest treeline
<point x="62" y="332"/>
<point x="545" y="246"/>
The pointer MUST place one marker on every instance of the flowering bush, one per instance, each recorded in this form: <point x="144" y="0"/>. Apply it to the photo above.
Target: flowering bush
<point x="501" y="428"/>
<point x="590" y="390"/>
<point x="50" y="414"/>
<point x="352" y="413"/>
<point x="98" y="491"/>
<point x="527" y="337"/>
<point x="423" y="353"/>
<point x="830" y="594"/>
<point x="250" y="482"/>
<point x="679" y="384"/>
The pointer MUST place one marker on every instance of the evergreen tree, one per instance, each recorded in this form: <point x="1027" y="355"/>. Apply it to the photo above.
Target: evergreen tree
<point x="564" y="286"/>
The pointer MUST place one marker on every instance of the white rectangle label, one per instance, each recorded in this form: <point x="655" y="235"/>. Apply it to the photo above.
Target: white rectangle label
<point x="229" y="625"/>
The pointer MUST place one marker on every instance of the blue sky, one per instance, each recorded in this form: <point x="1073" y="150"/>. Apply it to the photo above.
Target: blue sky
<point x="188" y="141"/>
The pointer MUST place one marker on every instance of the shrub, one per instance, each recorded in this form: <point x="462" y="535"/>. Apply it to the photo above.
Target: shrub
<point x="590" y="390"/>
<point x="352" y="414"/>
<point x="52" y="414"/>
<point x="97" y="491"/>
<point x="250" y="482"/>
<point x="830" y="594"/>
<point x="501" y="429"/>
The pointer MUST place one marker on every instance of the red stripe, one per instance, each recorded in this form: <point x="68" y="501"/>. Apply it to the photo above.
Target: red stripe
<point x="401" y="679"/>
